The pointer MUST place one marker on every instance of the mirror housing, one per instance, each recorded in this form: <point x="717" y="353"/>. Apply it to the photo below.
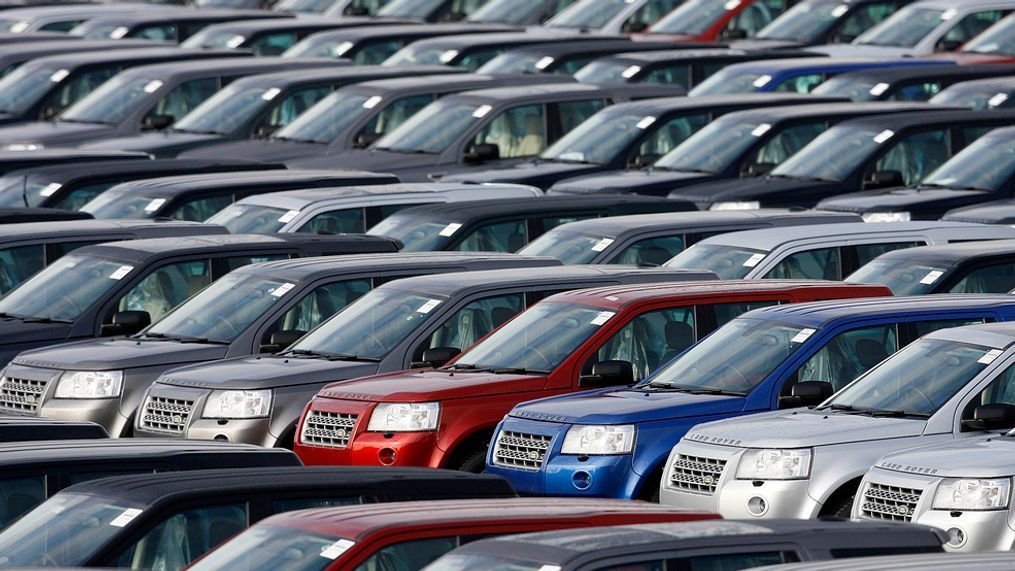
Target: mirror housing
<point x="126" y="323"/>
<point x="642" y="161"/>
<point x="156" y="122"/>
<point x="758" y="169"/>
<point x="482" y="152"/>
<point x="734" y="34"/>
<point x="264" y="131"/>
<point x="991" y="417"/>
<point x="884" y="179"/>
<point x="364" y="140"/>
<point x="948" y="45"/>
<point x="609" y="374"/>
<point x="436" y="357"/>
<point x="281" y="339"/>
<point x="48" y="113"/>
<point x="807" y="393"/>
<point x="634" y="27"/>
<point x="356" y="11"/>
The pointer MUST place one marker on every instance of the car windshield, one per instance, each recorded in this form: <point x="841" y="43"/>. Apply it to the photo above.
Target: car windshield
<point x="735" y="358"/>
<point x="418" y="234"/>
<point x="227" y="110"/>
<point x="252" y="218"/>
<point x="834" y="154"/>
<point x="516" y="61"/>
<point x="433" y="128"/>
<point x="14" y="25"/>
<point x="469" y="561"/>
<point x="988" y="164"/>
<point x="120" y="202"/>
<point x="692" y="17"/>
<point x="904" y="276"/>
<point x="997" y="39"/>
<point x="329" y="117"/>
<point x="803" y="23"/>
<point x="967" y="94"/>
<point x="590" y="14"/>
<point x="728" y="262"/>
<point x="538" y="340"/>
<point x="915" y="381"/>
<point x="855" y="88"/>
<point x="319" y="47"/>
<point x="599" y="139"/>
<point x="210" y="38"/>
<point x="24" y="86"/>
<point x="65" y="288"/>
<point x="370" y="327"/>
<point x="19" y="189"/>
<point x="113" y="101"/>
<point x="410" y="8"/>
<point x="223" y="310"/>
<point x="715" y="147"/>
<point x="569" y="247"/>
<point x="275" y="548"/>
<point x="64" y="531"/>
<point x="506" y="11"/>
<point x="607" y="70"/>
<point x="422" y="53"/>
<point x="304" y="6"/>
<point x="731" y="80"/>
<point x="905" y="28"/>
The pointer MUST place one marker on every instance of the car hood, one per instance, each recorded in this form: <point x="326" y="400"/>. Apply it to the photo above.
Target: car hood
<point x="648" y="181"/>
<point x="266" y="372"/>
<point x="804" y="428"/>
<point x="374" y="160"/>
<point x="986" y="458"/>
<point x="7" y="118"/>
<point x="431" y="385"/>
<point x="907" y="199"/>
<point x="613" y="406"/>
<point x="745" y="189"/>
<point x="151" y="142"/>
<point x="856" y="50"/>
<point x="53" y="133"/>
<point x="541" y="174"/>
<point x="109" y="354"/>
<point x="759" y="44"/>
<point x="17" y="331"/>
<point x="259" y="150"/>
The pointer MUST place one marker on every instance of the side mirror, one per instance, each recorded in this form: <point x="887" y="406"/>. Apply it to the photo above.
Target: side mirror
<point x="126" y="323"/>
<point x="758" y="169"/>
<point x="48" y="113"/>
<point x="735" y="34"/>
<point x="609" y="374"/>
<point x="356" y="11"/>
<point x="281" y="339"/>
<point x="364" y="140"/>
<point x="884" y="179"/>
<point x="156" y="122"/>
<point x="482" y="152"/>
<point x="634" y="27"/>
<point x="807" y="393"/>
<point x="992" y="417"/>
<point x="642" y="161"/>
<point x="948" y="45"/>
<point x="436" y="357"/>
<point x="264" y="131"/>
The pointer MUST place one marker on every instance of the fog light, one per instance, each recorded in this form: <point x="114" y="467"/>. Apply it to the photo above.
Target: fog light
<point x="581" y="480"/>
<point x="956" y="538"/>
<point x="221" y="438"/>
<point x="387" y="456"/>
<point x="757" y="506"/>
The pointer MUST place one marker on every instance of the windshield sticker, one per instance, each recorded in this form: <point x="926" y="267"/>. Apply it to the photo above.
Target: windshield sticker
<point x="997" y="100"/>
<point x="235" y="41"/>
<point x="288" y="216"/>
<point x="931" y="277"/>
<point x="989" y="356"/>
<point x="602" y="244"/>
<point x="482" y="111"/>
<point x="152" y="86"/>
<point x="840" y="10"/>
<point x="50" y="188"/>
<point x="126" y="517"/>
<point x="155" y="204"/>
<point x="883" y="136"/>
<point x="550" y="568"/>
<point x="335" y="550"/>
<point x="753" y="260"/>
<point x="448" y="55"/>
<point x="878" y="89"/>
<point x="450" y="229"/>
<point x="731" y="4"/>
<point x="271" y="94"/>
<point x="282" y="289"/>
<point x="630" y="72"/>
<point x="612" y="298"/>
<point x="59" y="75"/>
<point x="602" y="317"/>
<point x="120" y="272"/>
<point x="119" y="32"/>
<point x="428" y="306"/>
<point x="761" y="129"/>
<point x="762" y="81"/>
<point x="803" y="335"/>
<point x="372" y="101"/>
<point x="646" y="122"/>
<point x="949" y="14"/>
<point x="544" y="62"/>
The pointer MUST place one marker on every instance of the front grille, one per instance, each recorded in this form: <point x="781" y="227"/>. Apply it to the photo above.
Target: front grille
<point x="696" y="473"/>
<point x="889" y="502"/>
<point x="331" y="429"/>
<point x="163" y="414"/>
<point x="519" y="450"/>
<point x="21" y="395"/>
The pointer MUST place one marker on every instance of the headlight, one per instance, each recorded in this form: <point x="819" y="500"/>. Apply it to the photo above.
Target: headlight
<point x="24" y="147"/>
<point x="886" y="217"/>
<point x="404" y="417"/>
<point x="956" y="494"/>
<point x="774" y="465"/>
<point x="237" y="404"/>
<point x="743" y="205"/>
<point x="599" y="440"/>
<point x="89" y="385"/>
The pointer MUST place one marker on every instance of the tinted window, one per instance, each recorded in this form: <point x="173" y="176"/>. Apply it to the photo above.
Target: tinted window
<point x="668" y="136"/>
<point x="800" y="83"/>
<point x="998" y="278"/>
<point x="19" y="263"/>
<point x="670" y="75"/>
<point x="409" y="554"/>
<point x="291" y="504"/>
<point x="820" y="264"/>
<point x="475" y="59"/>
<point x="756" y="16"/>
<point x="77" y="87"/>
<point x="867" y="252"/>
<point x="390" y="117"/>
<point x="273" y="44"/>
<point x="200" y="209"/>
<point x="786" y="143"/>
<point x="916" y="155"/>
<point x="167" y="287"/>
<point x="1000" y="391"/>
<point x="725" y="312"/>
<point x="65" y="26"/>
<point x="735" y="561"/>
<point x="861" y="20"/>
<point x="649" y="340"/>
<point x="655" y="251"/>
<point x="291" y="107"/>
<point x="81" y="196"/>
<point x="183" y="537"/>
<point x="921" y="91"/>
<point x="574" y="113"/>
<point x="649" y="13"/>
<point x="320" y="304"/>
<point x="850" y="354"/>
<point x="475" y="320"/>
<point x="554" y="221"/>
<point x="968" y="27"/>
<point x="517" y="132"/>
<point x="165" y="33"/>
<point x="497" y="237"/>
<point x="921" y="328"/>
<point x="376" y="52"/>
<point x="336" y="222"/>
<point x="234" y="262"/>
<point x="18" y="495"/>
<point x="185" y="97"/>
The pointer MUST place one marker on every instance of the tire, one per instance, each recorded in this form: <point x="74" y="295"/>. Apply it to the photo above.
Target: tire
<point x="473" y="461"/>
<point x="840" y="506"/>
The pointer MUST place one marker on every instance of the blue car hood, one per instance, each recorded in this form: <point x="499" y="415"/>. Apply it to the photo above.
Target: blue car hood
<point x="621" y="406"/>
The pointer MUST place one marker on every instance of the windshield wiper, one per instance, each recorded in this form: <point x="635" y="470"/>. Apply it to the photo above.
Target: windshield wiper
<point x="329" y="356"/>
<point x="44" y="320"/>
<point x="883" y="413"/>
<point x="518" y="371"/>
<point x="11" y="316"/>
<point x="843" y="408"/>
<point x="467" y="367"/>
<point x="693" y="390"/>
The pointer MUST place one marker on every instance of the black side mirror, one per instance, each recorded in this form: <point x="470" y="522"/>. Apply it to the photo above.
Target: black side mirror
<point x="48" y="113"/>
<point x="991" y="417"/>
<point x="126" y="323"/>
<point x="281" y="339"/>
<point x="634" y="27"/>
<point x="948" y="45"/>
<point x="609" y="374"/>
<point x="264" y="131"/>
<point x="436" y="357"/>
<point x="364" y="140"/>
<point x="735" y="34"/>
<point x="482" y="152"/>
<point x="356" y="11"/>
<point x="453" y="16"/>
<point x="156" y="122"/>
<point x="807" y="393"/>
<point x="758" y="169"/>
<point x="884" y="179"/>
<point x="642" y="161"/>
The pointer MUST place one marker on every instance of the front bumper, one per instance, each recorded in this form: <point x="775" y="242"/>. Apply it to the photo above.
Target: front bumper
<point x="169" y="411"/>
<point x="100" y="411"/>
<point x="29" y="392"/>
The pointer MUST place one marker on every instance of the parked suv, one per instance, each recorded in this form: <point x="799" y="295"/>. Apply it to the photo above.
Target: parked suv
<point x="976" y="267"/>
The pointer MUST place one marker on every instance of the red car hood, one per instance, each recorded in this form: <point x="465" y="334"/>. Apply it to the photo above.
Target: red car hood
<point x="430" y="385"/>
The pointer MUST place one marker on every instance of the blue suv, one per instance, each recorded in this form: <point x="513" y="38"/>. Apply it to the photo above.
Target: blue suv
<point x="613" y="442"/>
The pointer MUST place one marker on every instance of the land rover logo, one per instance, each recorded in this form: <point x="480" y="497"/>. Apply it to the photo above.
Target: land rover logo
<point x="340" y="433"/>
<point x="533" y="455"/>
<point x="177" y="419"/>
<point x="30" y="399"/>
<point x="708" y="480"/>
<point x="903" y="510"/>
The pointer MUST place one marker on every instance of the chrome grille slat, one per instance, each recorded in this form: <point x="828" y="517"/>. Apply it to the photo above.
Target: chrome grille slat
<point x="696" y="474"/>
<point x="520" y="450"/>
<point x="21" y="395"/>
<point x="163" y="414"/>
<point x="329" y="429"/>
<point x="892" y="503"/>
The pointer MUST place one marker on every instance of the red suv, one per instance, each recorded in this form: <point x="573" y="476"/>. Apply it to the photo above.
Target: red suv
<point x="571" y="341"/>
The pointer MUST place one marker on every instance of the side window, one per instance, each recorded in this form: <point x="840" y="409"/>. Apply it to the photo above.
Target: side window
<point x="867" y="252"/>
<point x="755" y="17"/>
<point x="649" y="340"/>
<point x="551" y="222"/>
<point x="71" y="91"/>
<point x="19" y="495"/>
<point x="921" y="328"/>
<point x="376" y="52"/>
<point x="183" y="98"/>
<point x="185" y="536"/>
<point x="289" y="108"/>
<point x="415" y="554"/>
<point x="726" y="312"/>
<point x="497" y="237"/>
<point x="476" y="59"/>
<point x="555" y="9"/>
<point x="999" y="278"/>
<point x="668" y="136"/>
<point x="861" y="20"/>
<point x="916" y="155"/>
<point x="801" y="83"/>
<point x="273" y="44"/>
<point x="336" y="222"/>
<point x="850" y="354"/>
<point x="320" y="304"/>
<point x="239" y="261"/>
<point x="670" y="75"/>
<point x="648" y="14"/>
<point x="970" y="134"/>
<point x="786" y="143"/>
<point x="163" y="33"/>
<point x="81" y="196"/>
<point x="571" y="65"/>
<point x="167" y="287"/>
<point x="921" y="91"/>
<point x="475" y="320"/>
<point x="18" y="264"/>
<point x="654" y="565"/>
<point x="653" y="251"/>
<point x="200" y="209"/>
<point x="390" y="117"/>
<point x="573" y="113"/>
<point x="968" y="27"/>
<point x="821" y="264"/>
<point x="64" y="26"/>
<point x="732" y="561"/>
<point x="517" y="132"/>
<point x="292" y="504"/>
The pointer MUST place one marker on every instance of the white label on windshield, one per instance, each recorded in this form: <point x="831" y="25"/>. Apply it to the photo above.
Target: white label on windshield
<point x="119" y="32"/>
<point x="762" y="81"/>
<point x="630" y="71"/>
<point x="155" y="204"/>
<point x="448" y="55"/>
<point x="283" y="289"/>
<point x="235" y="42"/>
<point x="289" y="216"/>
<point x="271" y="94"/>
<point x="931" y="277"/>
<point x="949" y="14"/>
<point x="153" y="86"/>
<point x="550" y="568"/>
<point x="126" y="517"/>
<point x="997" y="100"/>
<point x="731" y="4"/>
<point x="343" y="47"/>
<point x="372" y="101"/>
<point x="59" y="75"/>
<point x="754" y="260"/>
<point x="840" y="10"/>
<point x="544" y="62"/>
<point x="602" y="244"/>
<point x="761" y="129"/>
<point x="336" y="549"/>
<point x="50" y="188"/>
<point x="878" y="89"/>
<point x="644" y="123"/>
<point x="428" y="306"/>
<point x="481" y="111"/>
<point x="120" y="272"/>
<point x="450" y="229"/>
<point x="989" y="356"/>
<point x="802" y="336"/>
<point x="612" y="297"/>
<point x="602" y="317"/>
<point x="883" y="136"/>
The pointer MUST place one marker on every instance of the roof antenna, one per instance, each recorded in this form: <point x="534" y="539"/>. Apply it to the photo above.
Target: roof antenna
<point x="24" y="191"/>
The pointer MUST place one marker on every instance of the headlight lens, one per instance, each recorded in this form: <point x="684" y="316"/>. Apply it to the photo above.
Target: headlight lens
<point x="404" y="417"/>
<point x="960" y="494"/>
<point x="886" y="217"/>
<point x="742" y="205"/>
<point x="774" y="465"/>
<point x="89" y="385"/>
<point x="237" y="404"/>
<point x="599" y="440"/>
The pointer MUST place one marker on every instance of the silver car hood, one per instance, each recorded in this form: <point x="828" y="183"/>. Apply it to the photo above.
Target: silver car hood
<point x="800" y="429"/>
<point x="982" y="458"/>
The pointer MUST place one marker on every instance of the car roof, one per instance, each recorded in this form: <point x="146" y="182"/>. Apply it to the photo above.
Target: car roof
<point x="999" y="334"/>
<point x="230" y="66"/>
<point x="768" y="239"/>
<point x="536" y="91"/>
<point x="953" y="253"/>
<point x="69" y="152"/>
<point x="898" y="74"/>
<point x="175" y="185"/>
<point x="931" y="117"/>
<point x="963" y="4"/>
<point x="995" y="212"/>
<point x="27" y="230"/>
<point x="678" y="103"/>
<point x="465" y="41"/>
<point x="282" y="23"/>
<point x="615" y="225"/>
<point x="18" y="51"/>
<point x="312" y="195"/>
<point x="71" y="60"/>
<point x="17" y="215"/>
<point x="407" y="29"/>
<point x="594" y="45"/>
<point x="1001" y="561"/>
<point x="68" y="172"/>
<point x="468" y="209"/>
<point x="298" y="76"/>
<point x="44" y="451"/>
<point x="183" y="245"/>
<point x="819" y="313"/>
<point x="1003" y="82"/>
<point x="428" y="82"/>
<point x="818" y="62"/>
<point x="859" y="108"/>
<point x="187" y="13"/>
